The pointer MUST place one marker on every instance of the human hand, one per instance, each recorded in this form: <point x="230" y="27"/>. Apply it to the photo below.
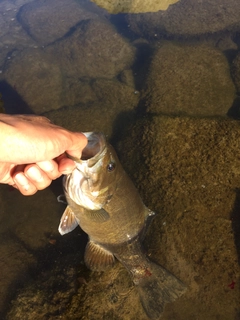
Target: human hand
<point x="32" y="151"/>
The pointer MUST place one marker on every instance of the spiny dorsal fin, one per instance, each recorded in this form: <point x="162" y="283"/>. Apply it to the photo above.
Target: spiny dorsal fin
<point x="68" y="221"/>
<point x="97" y="258"/>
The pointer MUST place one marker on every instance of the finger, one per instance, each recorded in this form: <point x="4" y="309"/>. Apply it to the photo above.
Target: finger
<point x="79" y="142"/>
<point x="23" y="184"/>
<point x="50" y="167"/>
<point x="37" y="177"/>
<point x="66" y="165"/>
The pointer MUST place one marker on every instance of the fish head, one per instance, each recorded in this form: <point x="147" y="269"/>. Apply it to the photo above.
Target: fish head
<point x="93" y="182"/>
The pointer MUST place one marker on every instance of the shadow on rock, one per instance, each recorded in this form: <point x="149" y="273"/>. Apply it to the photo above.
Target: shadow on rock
<point x="13" y="102"/>
<point x="235" y="217"/>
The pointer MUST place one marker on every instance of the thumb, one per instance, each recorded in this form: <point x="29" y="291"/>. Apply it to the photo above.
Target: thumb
<point x="79" y="142"/>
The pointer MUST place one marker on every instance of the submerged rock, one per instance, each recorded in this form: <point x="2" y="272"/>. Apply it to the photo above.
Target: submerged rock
<point x="95" y="50"/>
<point x="188" y="18"/>
<point x="189" y="175"/>
<point x="47" y="21"/>
<point x="189" y="79"/>
<point x="134" y="6"/>
<point x="37" y="79"/>
<point x="109" y="113"/>
<point x="12" y="37"/>
<point x="59" y="75"/>
<point x="15" y="264"/>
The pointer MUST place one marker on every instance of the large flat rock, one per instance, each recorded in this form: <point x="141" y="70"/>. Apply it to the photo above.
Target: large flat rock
<point x="93" y="50"/>
<point x="48" y="20"/>
<point x="190" y="79"/>
<point x="188" y="18"/>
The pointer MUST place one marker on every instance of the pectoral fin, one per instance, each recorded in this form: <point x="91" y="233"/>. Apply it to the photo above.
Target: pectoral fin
<point x="97" y="258"/>
<point x="98" y="216"/>
<point x="68" y="221"/>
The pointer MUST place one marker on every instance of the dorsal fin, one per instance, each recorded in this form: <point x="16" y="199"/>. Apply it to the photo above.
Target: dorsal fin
<point x="97" y="258"/>
<point x="68" y="221"/>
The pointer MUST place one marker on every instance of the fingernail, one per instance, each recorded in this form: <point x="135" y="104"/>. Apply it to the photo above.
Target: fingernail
<point x="21" y="180"/>
<point x="35" y="174"/>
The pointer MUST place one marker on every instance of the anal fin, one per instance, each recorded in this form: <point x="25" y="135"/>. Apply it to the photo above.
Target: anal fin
<point x="97" y="258"/>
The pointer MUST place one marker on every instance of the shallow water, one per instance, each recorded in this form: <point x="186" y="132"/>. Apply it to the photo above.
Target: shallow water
<point x="164" y="87"/>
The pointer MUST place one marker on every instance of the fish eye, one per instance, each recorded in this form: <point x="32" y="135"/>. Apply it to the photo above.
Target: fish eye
<point x="111" y="166"/>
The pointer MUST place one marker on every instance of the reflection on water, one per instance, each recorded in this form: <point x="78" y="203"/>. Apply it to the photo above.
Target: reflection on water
<point x="163" y="87"/>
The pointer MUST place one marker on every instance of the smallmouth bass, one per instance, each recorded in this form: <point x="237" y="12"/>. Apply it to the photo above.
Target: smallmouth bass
<point x="104" y="202"/>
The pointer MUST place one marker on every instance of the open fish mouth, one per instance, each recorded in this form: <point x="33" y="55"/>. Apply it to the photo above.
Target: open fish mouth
<point x="94" y="149"/>
<point x="95" y="146"/>
<point x="90" y="163"/>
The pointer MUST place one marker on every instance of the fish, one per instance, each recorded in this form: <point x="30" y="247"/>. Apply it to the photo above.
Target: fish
<point x="105" y="203"/>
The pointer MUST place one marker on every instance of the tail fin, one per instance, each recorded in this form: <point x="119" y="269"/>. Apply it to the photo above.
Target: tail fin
<point x="157" y="288"/>
<point x="156" y="285"/>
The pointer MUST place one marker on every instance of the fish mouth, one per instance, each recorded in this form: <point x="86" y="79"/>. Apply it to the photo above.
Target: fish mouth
<point x="94" y="149"/>
<point x="95" y="146"/>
